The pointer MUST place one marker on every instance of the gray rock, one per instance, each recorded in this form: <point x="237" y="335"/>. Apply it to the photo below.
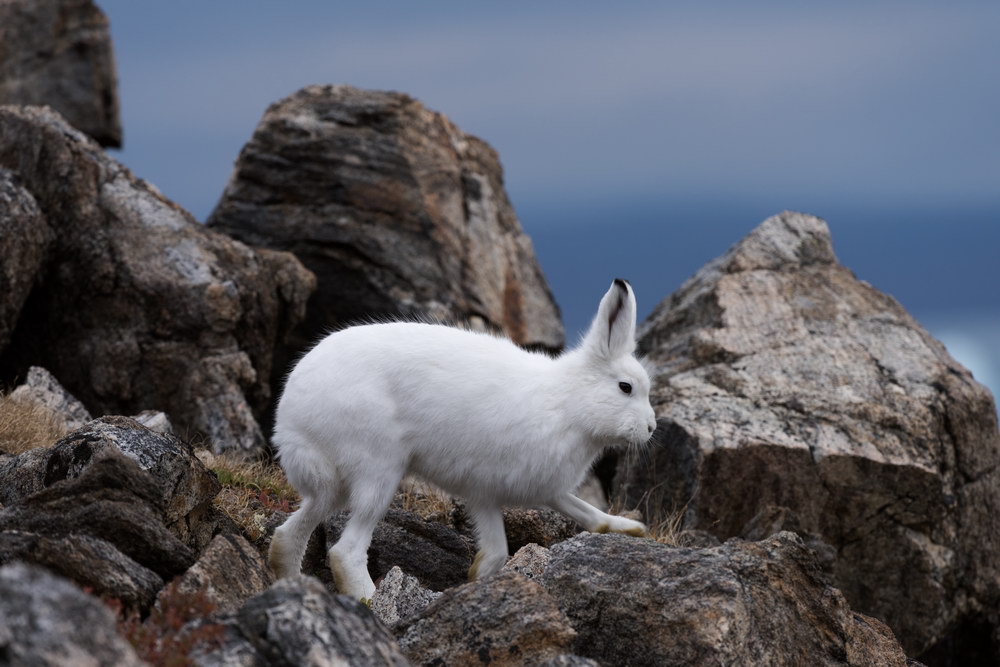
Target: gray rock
<point x="434" y="553"/>
<point x="783" y="380"/>
<point x="143" y="307"/>
<point x="112" y="500"/>
<point x="529" y="561"/>
<point x="505" y="619"/>
<point x="297" y="622"/>
<point x="58" y="53"/>
<point x="45" y="620"/>
<point x="43" y="388"/>
<point x="155" y="420"/>
<point x="396" y="210"/>
<point x="638" y="602"/>
<point x="89" y="561"/>
<point x="24" y="241"/>
<point x="230" y="571"/>
<point x="400" y="597"/>
<point x="186" y="485"/>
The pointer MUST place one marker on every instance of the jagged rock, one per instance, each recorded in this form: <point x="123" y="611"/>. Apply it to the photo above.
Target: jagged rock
<point x="89" y="561"/>
<point x="186" y="485"/>
<point x="43" y="388"/>
<point x="58" y="53"/>
<point x="230" y="571"/>
<point x="112" y="500"/>
<point x="140" y="306"/>
<point x="297" y="622"/>
<point x="505" y="619"/>
<point x="400" y="597"/>
<point x="529" y="561"/>
<point x="24" y="242"/>
<point x="45" y="620"/>
<point x="783" y="380"/>
<point x="741" y="603"/>
<point x="395" y="209"/>
<point x="436" y="554"/>
<point x="155" y="420"/>
<point x="569" y="660"/>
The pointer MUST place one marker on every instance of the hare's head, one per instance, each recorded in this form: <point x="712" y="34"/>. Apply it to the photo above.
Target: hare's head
<point x="614" y="398"/>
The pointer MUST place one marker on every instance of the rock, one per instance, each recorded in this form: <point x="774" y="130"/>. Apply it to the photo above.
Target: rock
<point x="45" y="620"/>
<point x="89" y="561"/>
<point x="187" y="486"/>
<point x="155" y="420"/>
<point x="783" y="380"/>
<point x="112" y="500"/>
<point x="396" y="210"/>
<point x="505" y="619"/>
<point x="24" y="243"/>
<point x="23" y="475"/>
<point x="530" y="561"/>
<point x="58" y="53"/>
<point x="230" y="571"/>
<point x="42" y="387"/>
<point x="297" y="622"/>
<point x="400" y="597"/>
<point x="141" y="307"/>
<point x="646" y="603"/>
<point x="434" y="553"/>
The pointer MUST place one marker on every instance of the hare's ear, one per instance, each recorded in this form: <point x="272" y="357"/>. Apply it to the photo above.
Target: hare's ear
<point x="612" y="333"/>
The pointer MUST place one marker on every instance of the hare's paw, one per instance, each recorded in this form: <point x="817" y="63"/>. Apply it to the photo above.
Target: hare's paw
<point x="350" y="577"/>
<point x="619" y="524"/>
<point x="278" y="558"/>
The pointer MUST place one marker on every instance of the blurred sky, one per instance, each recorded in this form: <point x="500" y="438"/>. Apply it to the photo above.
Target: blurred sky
<point x="639" y="139"/>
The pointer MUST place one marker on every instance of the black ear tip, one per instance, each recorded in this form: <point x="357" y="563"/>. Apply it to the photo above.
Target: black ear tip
<point x="621" y="282"/>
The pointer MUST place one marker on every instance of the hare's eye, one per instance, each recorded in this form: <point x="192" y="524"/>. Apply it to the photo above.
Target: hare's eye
<point x="625" y="386"/>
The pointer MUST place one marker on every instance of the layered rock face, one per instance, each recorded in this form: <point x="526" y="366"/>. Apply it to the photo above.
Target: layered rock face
<point x="396" y="210"/>
<point x="785" y="387"/>
<point x="58" y="53"/>
<point x="125" y="298"/>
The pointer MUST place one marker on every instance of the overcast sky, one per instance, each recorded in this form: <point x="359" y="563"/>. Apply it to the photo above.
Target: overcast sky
<point x="638" y="139"/>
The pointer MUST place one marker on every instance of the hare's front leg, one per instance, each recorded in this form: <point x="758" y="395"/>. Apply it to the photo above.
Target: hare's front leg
<point x="492" y="542"/>
<point x="594" y="519"/>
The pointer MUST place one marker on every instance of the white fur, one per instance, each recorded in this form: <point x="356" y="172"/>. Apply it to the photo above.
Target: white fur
<point x="470" y="412"/>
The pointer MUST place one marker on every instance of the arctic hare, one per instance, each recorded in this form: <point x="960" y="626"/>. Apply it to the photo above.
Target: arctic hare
<point x="470" y="412"/>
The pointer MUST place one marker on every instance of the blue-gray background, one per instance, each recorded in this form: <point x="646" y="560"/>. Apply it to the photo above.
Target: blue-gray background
<point x="639" y="139"/>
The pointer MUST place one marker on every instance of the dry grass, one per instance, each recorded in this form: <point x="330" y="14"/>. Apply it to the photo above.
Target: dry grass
<point x="252" y="491"/>
<point x="25" y="424"/>
<point x="424" y="499"/>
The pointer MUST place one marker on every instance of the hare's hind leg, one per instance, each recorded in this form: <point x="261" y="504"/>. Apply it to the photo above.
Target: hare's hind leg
<point x="370" y="498"/>
<point x="492" y="541"/>
<point x="288" y="544"/>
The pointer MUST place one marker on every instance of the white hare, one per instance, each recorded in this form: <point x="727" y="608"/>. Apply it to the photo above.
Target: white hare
<point x="470" y="412"/>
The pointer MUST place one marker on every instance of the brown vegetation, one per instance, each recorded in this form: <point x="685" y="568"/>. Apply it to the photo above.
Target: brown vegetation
<point x="26" y="424"/>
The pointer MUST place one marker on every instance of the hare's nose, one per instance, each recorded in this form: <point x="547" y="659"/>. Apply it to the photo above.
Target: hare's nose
<point x="651" y="425"/>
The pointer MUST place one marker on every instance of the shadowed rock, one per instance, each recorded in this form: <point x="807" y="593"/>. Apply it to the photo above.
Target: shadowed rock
<point x="396" y="211"/>
<point x="229" y="572"/>
<point x="781" y="380"/>
<point x="58" y="53"/>
<point x="639" y="602"/>
<point x="140" y="306"/>
<point x="46" y="621"/>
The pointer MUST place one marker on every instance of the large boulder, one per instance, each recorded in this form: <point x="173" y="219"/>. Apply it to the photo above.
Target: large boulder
<point x="46" y="621"/>
<point x="58" y="53"/>
<point x="396" y="210"/>
<point x="137" y="305"/>
<point x="639" y="602"/>
<point x="24" y="242"/>
<point x="782" y="381"/>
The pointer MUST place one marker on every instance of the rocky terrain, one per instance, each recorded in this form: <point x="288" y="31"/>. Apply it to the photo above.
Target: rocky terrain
<point x="822" y="487"/>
